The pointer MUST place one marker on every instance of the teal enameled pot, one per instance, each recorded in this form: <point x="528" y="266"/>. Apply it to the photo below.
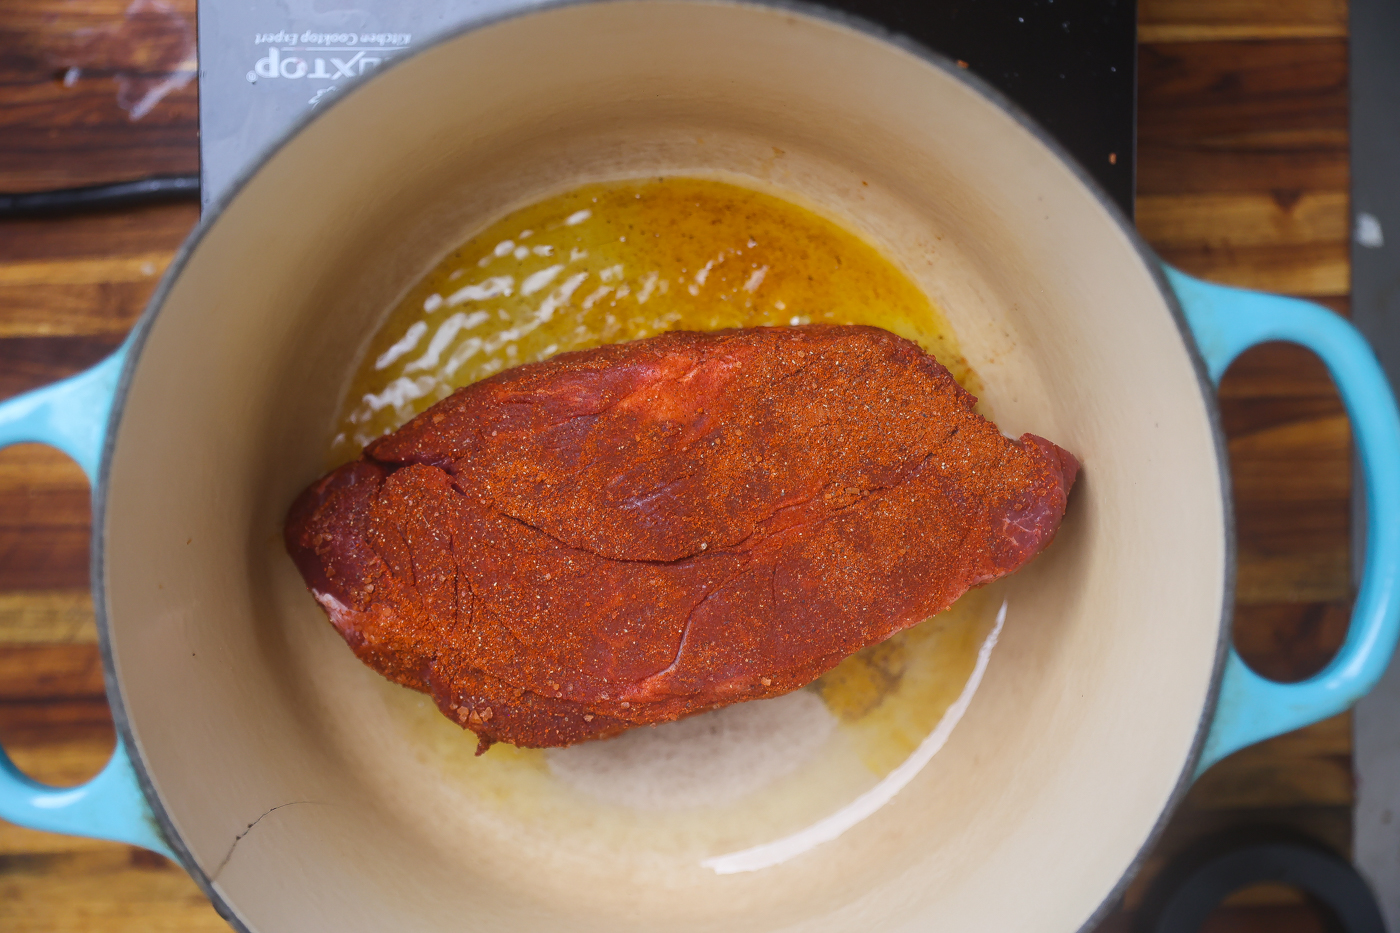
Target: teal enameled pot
<point x="258" y="753"/>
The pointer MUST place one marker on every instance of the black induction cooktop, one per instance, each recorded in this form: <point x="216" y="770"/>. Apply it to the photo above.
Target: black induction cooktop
<point x="1070" y="64"/>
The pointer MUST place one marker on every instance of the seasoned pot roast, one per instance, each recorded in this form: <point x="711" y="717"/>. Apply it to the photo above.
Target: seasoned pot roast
<point x="639" y="532"/>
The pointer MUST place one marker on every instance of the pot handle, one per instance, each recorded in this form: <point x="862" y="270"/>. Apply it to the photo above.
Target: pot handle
<point x="1225" y="322"/>
<point x="72" y="416"/>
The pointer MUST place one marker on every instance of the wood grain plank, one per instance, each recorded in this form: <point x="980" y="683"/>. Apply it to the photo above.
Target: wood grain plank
<point x="1237" y="220"/>
<point x="1309" y="767"/>
<point x="1263" y="782"/>
<point x="99" y="271"/>
<point x="71" y="15"/>
<point x="1240" y="416"/>
<point x="45" y="520"/>
<point x="55" y="719"/>
<point x="30" y="362"/>
<point x="59" y="741"/>
<point x="1293" y="245"/>
<point x="43" y="23"/>
<point x="17" y="840"/>
<point x="112" y="888"/>
<point x="50" y="672"/>
<point x="46" y="617"/>
<point x="1266" y="576"/>
<point x="1290" y="454"/>
<point x="1294" y="462"/>
<point x="38" y="114"/>
<point x="1290" y="641"/>
<point x="77" y="297"/>
<point x="88" y="275"/>
<point x="119" y="54"/>
<point x="1274" y="384"/>
<point x="43" y="557"/>
<point x="65" y="762"/>
<point x="1205" y="20"/>
<point x="150" y="229"/>
<point x="34" y="468"/>
<point x="1242" y="162"/>
<point x="103" y="310"/>
<point x="1243" y="117"/>
<point x="1278" y="370"/>
<point x="1247" y="94"/>
<point x="1292" y="485"/>
<point x="1306" y="270"/>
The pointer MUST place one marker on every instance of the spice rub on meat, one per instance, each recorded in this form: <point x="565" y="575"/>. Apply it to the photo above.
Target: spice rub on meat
<point x="639" y="532"/>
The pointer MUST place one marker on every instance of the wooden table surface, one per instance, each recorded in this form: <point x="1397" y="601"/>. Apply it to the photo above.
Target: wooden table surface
<point x="1242" y="179"/>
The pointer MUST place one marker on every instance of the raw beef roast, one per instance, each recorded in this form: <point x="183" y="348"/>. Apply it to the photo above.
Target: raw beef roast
<point x="639" y="532"/>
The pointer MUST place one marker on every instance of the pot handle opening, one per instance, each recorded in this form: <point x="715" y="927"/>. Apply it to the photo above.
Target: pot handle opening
<point x="72" y="416"/>
<point x="1225" y="322"/>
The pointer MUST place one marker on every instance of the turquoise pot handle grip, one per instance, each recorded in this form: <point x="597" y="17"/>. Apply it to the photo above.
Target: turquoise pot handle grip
<point x="1225" y="322"/>
<point x="72" y="416"/>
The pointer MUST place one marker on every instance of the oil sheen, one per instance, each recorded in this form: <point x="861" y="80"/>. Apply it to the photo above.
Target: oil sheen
<point x="618" y="261"/>
<point x="608" y="263"/>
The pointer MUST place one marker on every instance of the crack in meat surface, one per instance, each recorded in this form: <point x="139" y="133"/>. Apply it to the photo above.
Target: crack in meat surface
<point x="640" y="532"/>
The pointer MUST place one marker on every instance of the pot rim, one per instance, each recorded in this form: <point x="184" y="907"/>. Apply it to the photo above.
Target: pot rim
<point x="808" y="9"/>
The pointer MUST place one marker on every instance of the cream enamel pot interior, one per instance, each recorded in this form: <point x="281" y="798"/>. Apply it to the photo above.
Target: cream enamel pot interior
<point x="268" y="765"/>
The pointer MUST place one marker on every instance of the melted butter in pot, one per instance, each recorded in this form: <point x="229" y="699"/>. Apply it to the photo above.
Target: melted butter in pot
<point x="620" y="261"/>
<point x="613" y="262"/>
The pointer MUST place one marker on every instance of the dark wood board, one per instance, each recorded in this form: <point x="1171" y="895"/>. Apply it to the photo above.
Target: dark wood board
<point x="1242" y="179"/>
